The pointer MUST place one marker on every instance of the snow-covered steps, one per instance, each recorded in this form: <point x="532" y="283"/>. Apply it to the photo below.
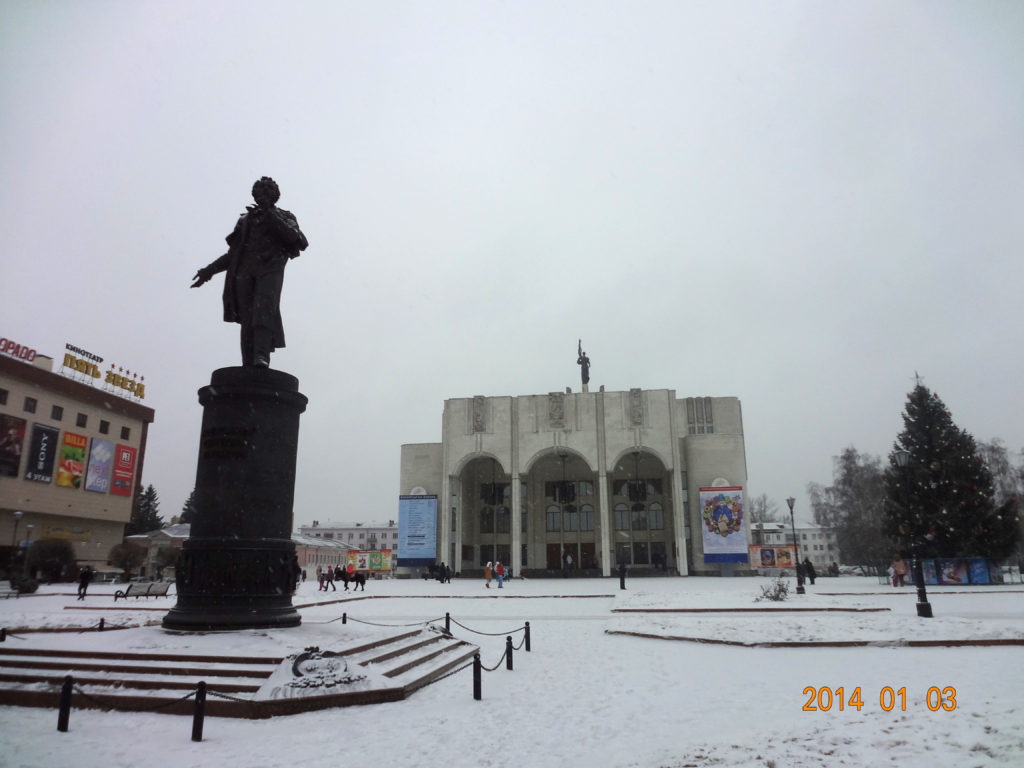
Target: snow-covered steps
<point x="385" y="668"/>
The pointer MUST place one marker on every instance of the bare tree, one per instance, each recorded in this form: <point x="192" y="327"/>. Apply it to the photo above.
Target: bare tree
<point x="127" y="557"/>
<point x="764" y="510"/>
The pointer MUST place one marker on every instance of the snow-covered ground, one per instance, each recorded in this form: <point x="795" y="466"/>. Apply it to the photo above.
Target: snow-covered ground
<point x="587" y="695"/>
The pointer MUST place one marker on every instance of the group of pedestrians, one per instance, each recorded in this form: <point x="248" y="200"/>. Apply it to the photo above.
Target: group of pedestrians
<point x="806" y="569"/>
<point x="327" y="577"/>
<point x="898" y="571"/>
<point x="496" y="571"/>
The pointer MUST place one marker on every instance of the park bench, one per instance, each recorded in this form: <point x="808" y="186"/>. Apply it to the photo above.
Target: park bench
<point x="6" y="590"/>
<point x="138" y="589"/>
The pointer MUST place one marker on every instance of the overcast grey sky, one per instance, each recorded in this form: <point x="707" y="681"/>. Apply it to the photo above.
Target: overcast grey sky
<point x="799" y="204"/>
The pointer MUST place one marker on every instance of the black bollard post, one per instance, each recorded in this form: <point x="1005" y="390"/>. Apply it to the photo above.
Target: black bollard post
<point x="101" y="624"/>
<point x="344" y="618"/>
<point x="447" y="622"/>
<point x="65" y="704"/>
<point x="508" y="652"/>
<point x="476" y="677"/>
<point x="527" y="637"/>
<point x="200" y="713"/>
<point x="3" y="634"/>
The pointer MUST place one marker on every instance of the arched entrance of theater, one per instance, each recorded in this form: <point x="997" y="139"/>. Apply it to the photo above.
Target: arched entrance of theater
<point x="484" y="522"/>
<point x="641" y="511"/>
<point x="562" y="529"/>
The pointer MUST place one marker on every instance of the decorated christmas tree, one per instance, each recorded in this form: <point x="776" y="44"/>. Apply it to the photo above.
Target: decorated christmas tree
<point x="943" y="498"/>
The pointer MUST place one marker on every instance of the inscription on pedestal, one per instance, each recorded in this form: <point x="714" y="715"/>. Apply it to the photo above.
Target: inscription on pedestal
<point x="225" y="443"/>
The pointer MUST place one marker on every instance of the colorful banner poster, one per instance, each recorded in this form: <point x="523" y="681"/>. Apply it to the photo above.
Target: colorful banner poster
<point x="124" y="470"/>
<point x="72" y="460"/>
<point x="12" y="437"/>
<point x="42" y="452"/>
<point x="417" y="530"/>
<point x="723" y="529"/>
<point x="101" y="461"/>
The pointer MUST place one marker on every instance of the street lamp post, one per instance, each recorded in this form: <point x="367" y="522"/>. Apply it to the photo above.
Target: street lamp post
<point x="799" y="569"/>
<point x="924" y="608"/>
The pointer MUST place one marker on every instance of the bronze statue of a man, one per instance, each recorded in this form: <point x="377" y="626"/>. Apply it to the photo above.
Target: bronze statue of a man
<point x="263" y="241"/>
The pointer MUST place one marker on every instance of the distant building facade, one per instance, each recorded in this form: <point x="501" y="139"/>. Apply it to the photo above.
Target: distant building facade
<point x="581" y="481"/>
<point x="72" y="452"/>
<point x="162" y="546"/>
<point x="364" y="536"/>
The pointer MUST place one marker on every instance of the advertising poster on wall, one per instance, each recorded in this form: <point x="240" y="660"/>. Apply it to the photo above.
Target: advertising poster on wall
<point x="71" y="463"/>
<point x="101" y="460"/>
<point x="417" y="530"/>
<point x="12" y="436"/>
<point x="723" y="528"/>
<point x="69" y="532"/>
<point x="124" y="470"/>
<point x="42" y="452"/>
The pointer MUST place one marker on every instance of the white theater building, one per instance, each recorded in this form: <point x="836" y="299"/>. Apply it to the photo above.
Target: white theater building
<point x="601" y="477"/>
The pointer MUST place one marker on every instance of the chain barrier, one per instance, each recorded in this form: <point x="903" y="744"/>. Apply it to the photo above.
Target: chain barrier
<point x="491" y="669"/>
<point x="414" y="624"/>
<point x="489" y="634"/>
<point x="521" y="643"/>
<point x="11" y="634"/>
<point x="235" y="699"/>
<point x="108" y="706"/>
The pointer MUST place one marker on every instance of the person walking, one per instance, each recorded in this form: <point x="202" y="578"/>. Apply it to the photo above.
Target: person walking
<point x="500" y="570"/>
<point x="488" y="574"/>
<point x="83" y="581"/>
<point x="329" y="579"/>
<point x="622" y="575"/>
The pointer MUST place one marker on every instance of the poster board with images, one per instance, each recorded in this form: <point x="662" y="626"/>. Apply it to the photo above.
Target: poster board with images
<point x="771" y="557"/>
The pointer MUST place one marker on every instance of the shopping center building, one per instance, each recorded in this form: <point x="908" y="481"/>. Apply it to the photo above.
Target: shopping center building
<point x="580" y="482"/>
<point x="73" y="445"/>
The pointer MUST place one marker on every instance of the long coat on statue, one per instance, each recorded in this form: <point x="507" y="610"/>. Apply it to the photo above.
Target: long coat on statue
<point x="261" y="244"/>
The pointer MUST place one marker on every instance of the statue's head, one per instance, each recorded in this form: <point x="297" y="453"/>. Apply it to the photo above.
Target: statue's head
<point x="265" y="191"/>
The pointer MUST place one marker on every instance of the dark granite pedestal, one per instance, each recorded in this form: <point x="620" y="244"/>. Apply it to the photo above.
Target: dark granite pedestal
<point x="238" y="568"/>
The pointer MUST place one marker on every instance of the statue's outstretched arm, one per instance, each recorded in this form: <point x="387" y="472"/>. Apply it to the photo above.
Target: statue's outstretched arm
<point x="203" y="274"/>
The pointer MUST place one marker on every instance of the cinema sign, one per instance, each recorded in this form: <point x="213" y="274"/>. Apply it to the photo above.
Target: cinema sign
<point x="84" y="362"/>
